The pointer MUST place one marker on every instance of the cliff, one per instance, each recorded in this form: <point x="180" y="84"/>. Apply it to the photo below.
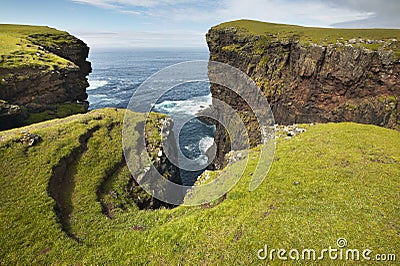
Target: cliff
<point x="81" y="158"/>
<point x="311" y="74"/>
<point x="43" y="75"/>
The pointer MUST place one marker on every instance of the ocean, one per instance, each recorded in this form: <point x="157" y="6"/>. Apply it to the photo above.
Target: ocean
<point x="117" y="73"/>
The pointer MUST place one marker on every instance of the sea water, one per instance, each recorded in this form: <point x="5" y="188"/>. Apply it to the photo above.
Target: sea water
<point x="117" y="73"/>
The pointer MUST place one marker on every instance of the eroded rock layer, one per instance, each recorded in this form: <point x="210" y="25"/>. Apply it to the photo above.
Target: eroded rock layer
<point x="44" y="77"/>
<point x="306" y="82"/>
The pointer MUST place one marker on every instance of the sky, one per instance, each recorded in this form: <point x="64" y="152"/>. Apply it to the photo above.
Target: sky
<point x="183" y="23"/>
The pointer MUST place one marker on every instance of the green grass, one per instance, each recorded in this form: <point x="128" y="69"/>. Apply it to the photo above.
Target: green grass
<point x="20" y="47"/>
<point x="349" y="187"/>
<point x="62" y="110"/>
<point x="270" y="32"/>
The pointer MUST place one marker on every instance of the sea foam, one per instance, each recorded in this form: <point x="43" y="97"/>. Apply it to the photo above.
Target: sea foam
<point x="95" y="84"/>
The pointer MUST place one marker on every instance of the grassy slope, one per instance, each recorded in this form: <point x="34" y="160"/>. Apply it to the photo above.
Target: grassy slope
<point x="349" y="187"/>
<point x="18" y="48"/>
<point x="322" y="36"/>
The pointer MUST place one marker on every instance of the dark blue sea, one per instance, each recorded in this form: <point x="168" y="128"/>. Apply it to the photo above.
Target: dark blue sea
<point x="117" y="73"/>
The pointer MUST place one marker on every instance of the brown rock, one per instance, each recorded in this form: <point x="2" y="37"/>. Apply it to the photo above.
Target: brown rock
<point x="309" y="83"/>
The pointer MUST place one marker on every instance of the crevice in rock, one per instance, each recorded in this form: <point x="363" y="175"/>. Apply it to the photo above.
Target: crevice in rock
<point x="102" y="190"/>
<point x="62" y="184"/>
<point x="107" y="208"/>
<point x="321" y="61"/>
<point x="119" y="189"/>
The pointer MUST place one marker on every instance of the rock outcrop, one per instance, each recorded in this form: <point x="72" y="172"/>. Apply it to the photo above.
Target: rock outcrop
<point x="42" y="92"/>
<point x="306" y="82"/>
<point x="160" y="142"/>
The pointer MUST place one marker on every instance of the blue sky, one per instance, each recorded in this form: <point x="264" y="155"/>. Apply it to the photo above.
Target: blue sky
<point x="183" y="23"/>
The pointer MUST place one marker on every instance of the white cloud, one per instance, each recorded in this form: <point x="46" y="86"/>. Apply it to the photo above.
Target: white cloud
<point x="142" y="39"/>
<point x="132" y="3"/>
<point x="131" y="12"/>
<point x="386" y="13"/>
<point x="98" y="3"/>
<point x="307" y="12"/>
<point x="303" y="12"/>
<point x="175" y="17"/>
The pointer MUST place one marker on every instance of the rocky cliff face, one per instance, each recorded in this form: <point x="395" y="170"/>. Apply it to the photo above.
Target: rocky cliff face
<point x="160" y="141"/>
<point x="41" y="93"/>
<point x="308" y="82"/>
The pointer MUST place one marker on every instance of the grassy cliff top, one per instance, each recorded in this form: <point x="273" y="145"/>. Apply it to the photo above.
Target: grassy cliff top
<point x="369" y="38"/>
<point x="21" y="46"/>
<point x="333" y="181"/>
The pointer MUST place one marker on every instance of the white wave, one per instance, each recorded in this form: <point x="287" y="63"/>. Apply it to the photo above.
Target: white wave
<point x="205" y="143"/>
<point x="191" y="106"/>
<point x="165" y="106"/>
<point x="190" y="147"/>
<point x="202" y="160"/>
<point x="98" y="96"/>
<point x="95" y="84"/>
